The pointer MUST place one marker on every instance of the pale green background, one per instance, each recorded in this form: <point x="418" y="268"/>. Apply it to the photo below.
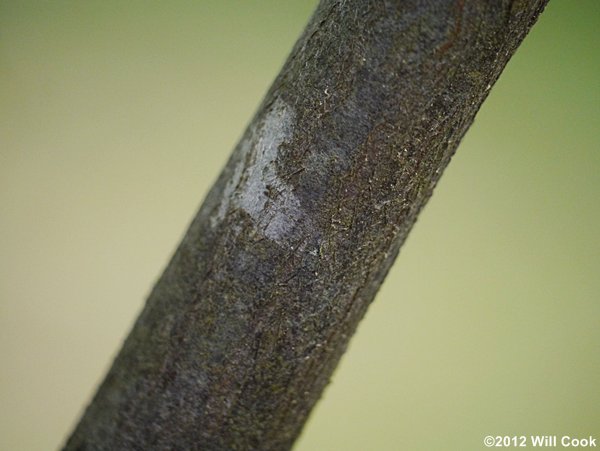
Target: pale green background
<point x="115" y="118"/>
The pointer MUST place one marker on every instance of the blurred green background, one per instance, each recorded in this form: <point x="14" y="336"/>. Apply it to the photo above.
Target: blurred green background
<point x="116" y="117"/>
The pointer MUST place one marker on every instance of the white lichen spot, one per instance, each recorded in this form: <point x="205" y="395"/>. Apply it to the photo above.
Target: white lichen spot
<point x="266" y="197"/>
<point x="255" y="185"/>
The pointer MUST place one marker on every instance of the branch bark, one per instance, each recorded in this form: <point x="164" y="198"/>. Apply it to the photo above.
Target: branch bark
<point x="242" y="332"/>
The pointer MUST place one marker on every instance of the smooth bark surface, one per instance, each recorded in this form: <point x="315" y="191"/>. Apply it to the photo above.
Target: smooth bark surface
<point x="243" y="330"/>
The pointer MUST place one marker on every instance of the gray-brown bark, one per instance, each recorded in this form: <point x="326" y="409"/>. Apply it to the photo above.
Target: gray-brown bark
<point x="244" y="328"/>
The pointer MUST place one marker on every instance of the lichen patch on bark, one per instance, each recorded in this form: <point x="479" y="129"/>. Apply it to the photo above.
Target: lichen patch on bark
<point x="256" y="186"/>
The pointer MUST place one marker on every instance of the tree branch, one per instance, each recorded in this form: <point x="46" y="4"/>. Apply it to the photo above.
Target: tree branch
<point x="243" y="330"/>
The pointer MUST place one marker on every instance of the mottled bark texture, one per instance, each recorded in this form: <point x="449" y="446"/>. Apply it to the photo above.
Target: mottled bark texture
<point x="242" y="332"/>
